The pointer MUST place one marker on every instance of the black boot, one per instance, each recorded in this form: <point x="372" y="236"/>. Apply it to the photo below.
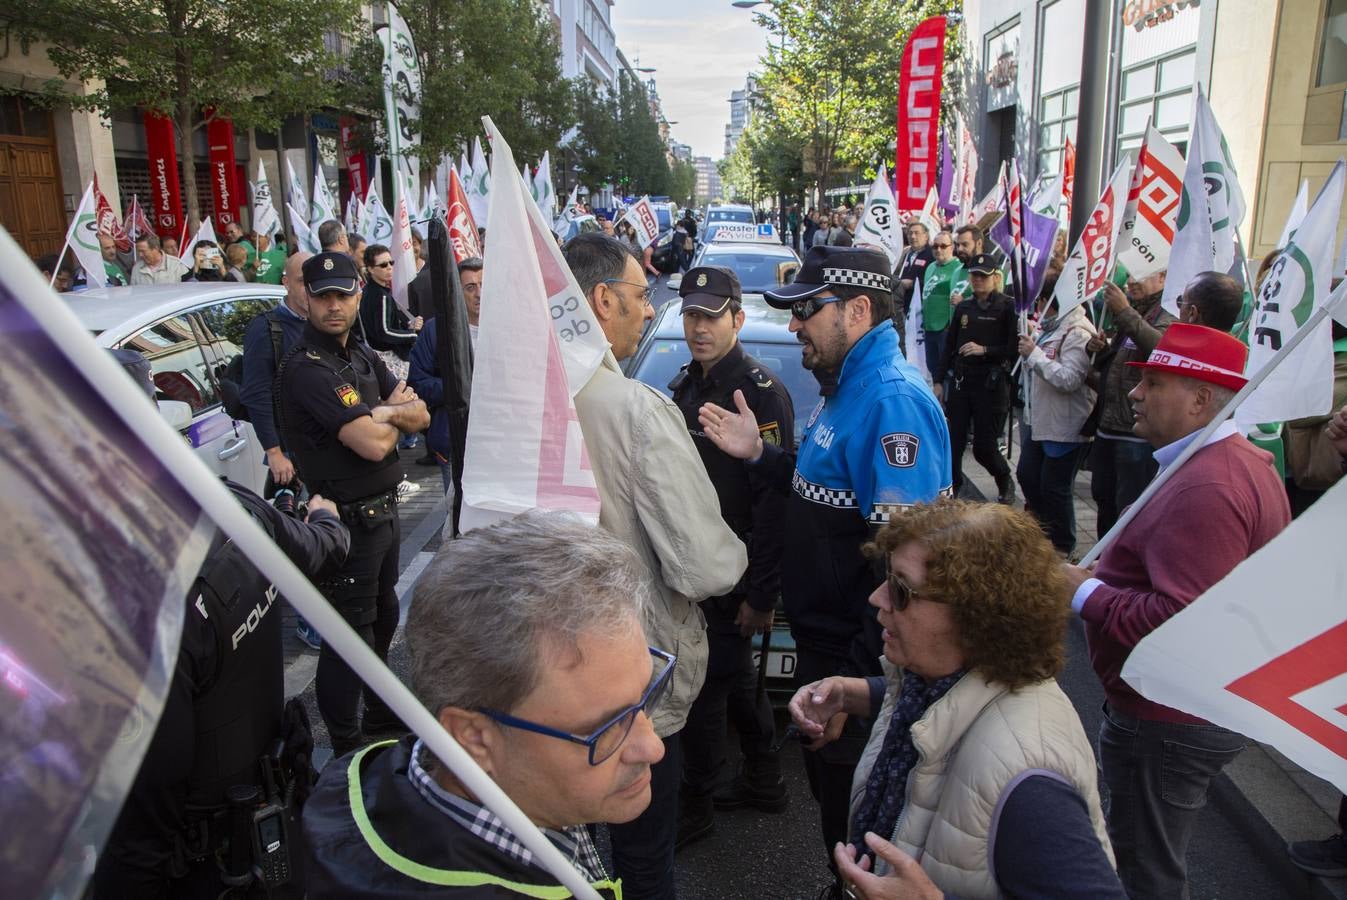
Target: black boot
<point x="696" y="819"/>
<point x="761" y="788"/>
<point x="1005" y="490"/>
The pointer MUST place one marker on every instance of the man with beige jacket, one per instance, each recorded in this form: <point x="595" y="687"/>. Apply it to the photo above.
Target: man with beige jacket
<point x="655" y="494"/>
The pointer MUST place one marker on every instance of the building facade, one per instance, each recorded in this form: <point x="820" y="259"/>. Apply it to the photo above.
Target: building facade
<point x="709" y="189"/>
<point x="588" y="42"/>
<point x="741" y="111"/>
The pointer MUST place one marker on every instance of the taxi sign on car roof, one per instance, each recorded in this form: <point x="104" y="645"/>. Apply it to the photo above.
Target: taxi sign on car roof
<point x="743" y="233"/>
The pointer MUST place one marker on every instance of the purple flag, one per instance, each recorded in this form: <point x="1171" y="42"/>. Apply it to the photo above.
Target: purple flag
<point x="1040" y="232"/>
<point x="948" y="204"/>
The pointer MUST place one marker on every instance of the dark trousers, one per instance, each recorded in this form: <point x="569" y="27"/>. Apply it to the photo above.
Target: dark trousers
<point x="1119" y="472"/>
<point x="372" y="567"/>
<point x="1046" y="483"/>
<point x="830" y="768"/>
<point x="643" y="849"/>
<point x="730" y="693"/>
<point x="1157" y="774"/>
<point x="977" y="398"/>
<point x="934" y="348"/>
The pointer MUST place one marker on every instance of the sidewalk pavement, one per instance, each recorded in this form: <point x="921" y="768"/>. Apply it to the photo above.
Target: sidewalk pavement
<point x="1264" y="794"/>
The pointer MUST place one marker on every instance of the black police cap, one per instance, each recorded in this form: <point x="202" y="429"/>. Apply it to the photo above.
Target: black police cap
<point x="984" y="264"/>
<point x="326" y="272"/>
<point x="709" y="289"/>
<point x="827" y="267"/>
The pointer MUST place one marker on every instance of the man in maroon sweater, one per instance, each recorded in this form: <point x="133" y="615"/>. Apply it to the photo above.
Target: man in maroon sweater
<point x="1218" y="509"/>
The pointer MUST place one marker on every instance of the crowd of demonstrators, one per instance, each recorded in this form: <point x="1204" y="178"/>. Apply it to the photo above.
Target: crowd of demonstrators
<point x="155" y="263"/>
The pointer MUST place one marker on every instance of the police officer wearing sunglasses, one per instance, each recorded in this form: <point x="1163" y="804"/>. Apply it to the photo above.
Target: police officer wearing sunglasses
<point x="876" y="442"/>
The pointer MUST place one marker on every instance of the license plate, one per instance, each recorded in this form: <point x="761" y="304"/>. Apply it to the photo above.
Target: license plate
<point x="780" y="663"/>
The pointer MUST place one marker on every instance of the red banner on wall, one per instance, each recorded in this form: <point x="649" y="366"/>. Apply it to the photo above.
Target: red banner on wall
<point x="355" y="159"/>
<point x="916" y="166"/>
<point x="224" y="186"/>
<point x="166" y="214"/>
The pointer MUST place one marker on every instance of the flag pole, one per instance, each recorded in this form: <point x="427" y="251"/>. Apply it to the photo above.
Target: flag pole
<point x="1198" y="442"/>
<point x="56" y="269"/>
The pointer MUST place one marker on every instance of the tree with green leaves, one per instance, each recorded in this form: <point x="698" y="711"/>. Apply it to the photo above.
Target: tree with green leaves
<point x="617" y="140"/>
<point x="831" y="80"/>
<point x="683" y="182"/>
<point x="253" y="64"/>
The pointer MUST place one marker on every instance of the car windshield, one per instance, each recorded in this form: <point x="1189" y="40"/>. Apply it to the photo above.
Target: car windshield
<point x="757" y="270"/>
<point x="663" y="218"/>
<point x="667" y="355"/>
<point x="729" y="215"/>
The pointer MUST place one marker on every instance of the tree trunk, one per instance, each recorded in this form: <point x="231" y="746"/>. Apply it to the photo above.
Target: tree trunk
<point x="186" y="151"/>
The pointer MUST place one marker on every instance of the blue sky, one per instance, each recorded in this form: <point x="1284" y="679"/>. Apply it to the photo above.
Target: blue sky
<point x="702" y="50"/>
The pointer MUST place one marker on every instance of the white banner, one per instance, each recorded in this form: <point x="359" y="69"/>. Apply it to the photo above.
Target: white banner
<point x="879" y="225"/>
<point x="402" y="97"/>
<point x="1152" y="207"/>
<point x="641" y="215"/>
<point x="82" y="239"/>
<point x="1264" y="651"/>
<point x="266" y="221"/>
<point x="1298" y="283"/>
<point x="1091" y="261"/>
<point x="525" y="448"/>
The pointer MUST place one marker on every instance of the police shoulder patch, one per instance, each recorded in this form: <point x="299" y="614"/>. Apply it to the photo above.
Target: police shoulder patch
<point x="759" y="377"/>
<point x="347" y="394"/>
<point x="770" y="432"/>
<point x="900" y="449"/>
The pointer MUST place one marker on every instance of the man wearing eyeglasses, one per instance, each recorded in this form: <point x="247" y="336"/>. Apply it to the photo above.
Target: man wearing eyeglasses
<point x="526" y="641"/>
<point x="656" y="496"/>
<point x="876" y="442"/>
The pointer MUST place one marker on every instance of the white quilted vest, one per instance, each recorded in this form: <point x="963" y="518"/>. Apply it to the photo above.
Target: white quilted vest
<point x="974" y="746"/>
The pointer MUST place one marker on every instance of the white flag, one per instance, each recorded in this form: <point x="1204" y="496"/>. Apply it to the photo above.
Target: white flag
<point x="82" y="239"/>
<point x="1264" y="651"/>
<point x="402" y="95"/>
<point x="404" y="254"/>
<point x="305" y="239"/>
<point x="562" y="225"/>
<point x="914" y="341"/>
<point x="1299" y="209"/>
<point x="265" y="219"/>
<point x="1046" y="198"/>
<point x="1091" y="261"/>
<point x="642" y="217"/>
<point x="464" y="167"/>
<point x="205" y="233"/>
<point x="1152" y="207"/>
<point x="294" y="195"/>
<point x="537" y="347"/>
<point x="478" y="185"/>
<point x="995" y="200"/>
<point x="321" y="207"/>
<point x="376" y="220"/>
<point x="1210" y="212"/>
<point x="542" y="183"/>
<point x="965" y="172"/>
<point x="879" y="225"/>
<point x="1298" y="283"/>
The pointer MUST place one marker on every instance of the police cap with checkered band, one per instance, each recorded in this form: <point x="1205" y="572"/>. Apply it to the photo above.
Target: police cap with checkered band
<point x="834" y="267"/>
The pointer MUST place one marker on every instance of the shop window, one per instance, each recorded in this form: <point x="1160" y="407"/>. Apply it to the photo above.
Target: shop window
<point x="1173" y="111"/>
<point x="1158" y="91"/>
<point x="1057" y="124"/>
<point x="1333" y="44"/>
<point x="1134" y="117"/>
<point x="1178" y="73"/>
<point x="1139" y="82"/>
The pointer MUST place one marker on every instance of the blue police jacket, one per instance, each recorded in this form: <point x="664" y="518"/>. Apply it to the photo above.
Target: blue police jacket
<point x="877" y="444"/>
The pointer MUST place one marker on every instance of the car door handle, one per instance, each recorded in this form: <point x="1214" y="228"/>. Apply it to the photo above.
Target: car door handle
<point x="233" y="449"/>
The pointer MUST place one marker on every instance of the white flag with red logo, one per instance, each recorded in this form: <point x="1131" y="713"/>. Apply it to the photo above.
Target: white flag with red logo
<point x="538" y="345"/>
<point x="462" y="228"/>
<point x="1091" y="260"/>
<point x="1267" y="662"/>
<point x="1152" y="207"/>
<point x="641" y="216"/>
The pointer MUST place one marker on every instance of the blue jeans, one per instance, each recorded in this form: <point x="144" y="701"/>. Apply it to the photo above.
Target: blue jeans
<point x="643" y="849"/>
<point x="935" y="348"/>
<point x="1157" y="775"/>
<point x="1046" y="483"/>
<point x="1120" y="471"/>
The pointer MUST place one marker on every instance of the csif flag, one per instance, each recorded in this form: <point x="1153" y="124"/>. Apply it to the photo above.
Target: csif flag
<point x="1091" y="260"/>
<point x="321" y="207"/>
<point x="542" y="184"/>
<point x="1152" y="207"/>
<point x="920" y="74"/>
<point x="478" y="184"/>
<point x="402" y="97"/>
<point x="295" y="198"/>
<point x="82" y="239"/>
<point x="1299" y="209"/>
<point x="265" y="219"/>
<point x="879" y="225"/>
<point x="376" y="220"/>
<point x="1299" y="281"/>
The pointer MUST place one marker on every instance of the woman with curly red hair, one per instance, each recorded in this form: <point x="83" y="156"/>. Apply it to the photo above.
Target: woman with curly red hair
<point x="978" y="779"/>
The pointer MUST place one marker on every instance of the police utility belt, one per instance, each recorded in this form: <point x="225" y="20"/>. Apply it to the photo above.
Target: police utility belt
<point x="370" y="512"/>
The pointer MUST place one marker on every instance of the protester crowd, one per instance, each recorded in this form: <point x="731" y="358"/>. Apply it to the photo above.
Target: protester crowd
<point x="592" y="673"/>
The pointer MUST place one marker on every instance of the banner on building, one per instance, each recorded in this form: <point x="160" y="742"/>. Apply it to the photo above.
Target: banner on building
<point x="224" y="186"/>
<point x="1091" y="260"/>
<point x="916" y="166"/>
<point x="1272" y="671"/>
<point x="163" y="162"/>
<point x="1152" y="207"/>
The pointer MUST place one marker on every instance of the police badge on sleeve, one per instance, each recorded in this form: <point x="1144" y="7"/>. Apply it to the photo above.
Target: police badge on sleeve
<point x="348" y="395"/>
<point x="900" y="449"/>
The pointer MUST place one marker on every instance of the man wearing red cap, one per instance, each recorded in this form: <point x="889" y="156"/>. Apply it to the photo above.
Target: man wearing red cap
<point x="1218" y="509"/>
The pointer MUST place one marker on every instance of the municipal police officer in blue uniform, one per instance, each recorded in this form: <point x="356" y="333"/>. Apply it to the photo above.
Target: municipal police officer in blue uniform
<point x="339" y="412"/>
<point x="712" y="316"/>
<point x="876" y="442"/>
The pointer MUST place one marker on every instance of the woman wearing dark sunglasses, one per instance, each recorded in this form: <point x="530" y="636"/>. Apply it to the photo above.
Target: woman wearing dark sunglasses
<point x="978" y="779"/>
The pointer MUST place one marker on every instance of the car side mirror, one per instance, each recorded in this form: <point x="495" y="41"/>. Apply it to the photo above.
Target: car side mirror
<point x="177" y="414"/>
<point x="787" y="273"/>
<point x="675" y="281"/>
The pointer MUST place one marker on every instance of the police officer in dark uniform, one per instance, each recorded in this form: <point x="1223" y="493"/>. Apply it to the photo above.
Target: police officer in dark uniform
<point x="712" y="316"/>
<point x="223" y="712"/>
<point x="980" y="345"/>
<point x="340" y="413"/>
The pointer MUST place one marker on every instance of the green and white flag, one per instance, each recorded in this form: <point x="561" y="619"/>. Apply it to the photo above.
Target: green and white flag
<point x="376" y="221"/>
<point x="265" y="219"/>
<point x="402" y="98"/>
<point x="1299" y="209"/>
<point x="478" y="184"/>
<point x="542" y="186"/>
<point x="879" y="225"/>
<point x="294" y="196"/>
<point x="321" y="206"/>
<point x="82" y="239"/>
<point x="1297" y="284"/>
<point x="1210" y="211"/>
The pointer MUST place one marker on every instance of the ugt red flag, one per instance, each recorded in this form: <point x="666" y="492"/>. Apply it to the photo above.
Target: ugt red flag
<point x="106" y="220"/>
<point x="462" y="228"/>
<point x="915" y="166"/>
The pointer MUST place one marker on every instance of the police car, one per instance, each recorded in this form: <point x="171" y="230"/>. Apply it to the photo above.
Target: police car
<point x="766" y="336"/>
<point x="752" y="252"/>
<point x="189" y="333"/>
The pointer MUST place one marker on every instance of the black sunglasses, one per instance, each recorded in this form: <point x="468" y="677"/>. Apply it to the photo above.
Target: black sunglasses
<point x="901" y="593"/>
<point x="805" y="309"/>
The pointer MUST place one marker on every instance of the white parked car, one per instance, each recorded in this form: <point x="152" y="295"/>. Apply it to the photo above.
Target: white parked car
<point x="189" y="333"/>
